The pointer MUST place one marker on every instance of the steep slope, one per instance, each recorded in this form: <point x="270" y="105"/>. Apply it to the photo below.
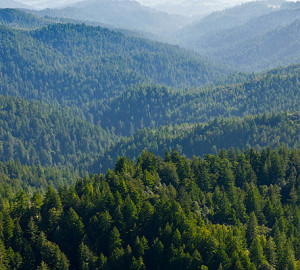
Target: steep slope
<point x="153" y="106"/>
<point x="200" y="139"/>
<point x="78" y="64"/>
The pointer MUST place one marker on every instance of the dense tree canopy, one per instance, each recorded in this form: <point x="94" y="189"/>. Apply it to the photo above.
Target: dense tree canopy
<point x="153" y="106"/>
<point x="199" y="139"/>
<point x="226" y="198"/>
<point x="232" y="210"/>
<point x="76" y="64"/>
<point x="35" y="133"/>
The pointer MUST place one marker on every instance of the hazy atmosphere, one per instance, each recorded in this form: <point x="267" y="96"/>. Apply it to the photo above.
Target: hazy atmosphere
<point x="151" y="135"/>
<point x="184" y="7"/>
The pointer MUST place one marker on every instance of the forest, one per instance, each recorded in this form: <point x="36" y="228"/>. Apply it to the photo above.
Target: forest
<point x="232" y="210"/>
<point x="200" y="139"/>
<point x="101" y="63"/>
<point x="121" y="152"/>
<point x="35" y="133"/>
<point x="154" y="106"/>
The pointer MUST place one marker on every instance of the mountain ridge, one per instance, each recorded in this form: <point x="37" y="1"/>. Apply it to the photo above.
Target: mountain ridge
<point x="208" y="138"/>
<point x="12" y="4"/>
<point x="126" y="14"/>
<point x="227" y="43"/>
<point x="101" y="61"/>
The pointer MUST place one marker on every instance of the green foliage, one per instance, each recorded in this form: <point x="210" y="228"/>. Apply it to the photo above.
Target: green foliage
<point x="18" y="19"/>
<point x="34" y="133"/>
<point x="79" y="64"/>
<point x="153" y="106"/>
<point x="239" y="133"/>
<point x="121" y="101"/>
<point x="92" y="225"/>
<point x="16" y="177"/>
<point x="210" y="209"/>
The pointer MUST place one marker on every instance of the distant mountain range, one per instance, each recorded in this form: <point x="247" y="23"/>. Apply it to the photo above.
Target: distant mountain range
<point x="195" y="8"/>
<point x="117" y="85"/>
<point x="228" y="18"/>
<point x="12" y="4"/>
<point x="125" y="14"/>
<point x="43" y="4"/>
<point x="253" y="36"/>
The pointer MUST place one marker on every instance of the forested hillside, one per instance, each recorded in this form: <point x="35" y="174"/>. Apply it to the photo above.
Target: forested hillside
<point x="153" y="106"/>
<point x="77" y="64"/>
<point x="275" y="48"/>
<point x="35" y="133"/>
<point x="227" y="211"/>
<point x="15" y="177"/>
<point x="200" y="139"/>
<point x="117" y="152"/>
<point x="19" y="19"/>
<point x="102" y="72"/>
<point x="226" y="19"/>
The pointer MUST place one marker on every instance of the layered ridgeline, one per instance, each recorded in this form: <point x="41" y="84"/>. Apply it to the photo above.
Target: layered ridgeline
<point x="255" y="43"/>
<point x="125" y="14"/>
<point x="35" y="133"/>
<point x="227" y="19"/>
<point x="18" y="19"/>
<point x="207" y="138"/>
<point x="78" y="64"/>
<point x="225" y="211"/>
<point x="82" y="65"/>
<point x="153" y="106"/>
<point x="12" y="4"/>
<point x="27" y="19"/>
<point x="23" y="19"/>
